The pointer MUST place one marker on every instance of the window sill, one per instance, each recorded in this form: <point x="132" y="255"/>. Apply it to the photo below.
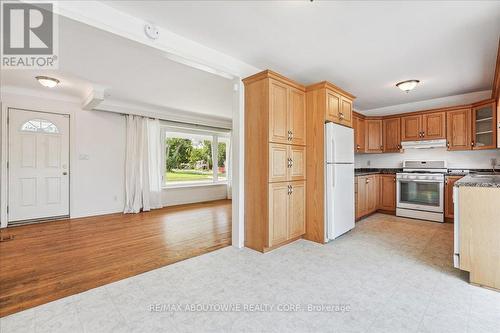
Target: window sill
<point x="188" y="185"/>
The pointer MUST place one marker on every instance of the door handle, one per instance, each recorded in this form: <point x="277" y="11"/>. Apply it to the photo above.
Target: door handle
<point x="65" y="173"/>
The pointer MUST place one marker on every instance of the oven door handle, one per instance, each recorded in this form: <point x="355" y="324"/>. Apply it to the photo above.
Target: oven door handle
<point x="419" y="181"/>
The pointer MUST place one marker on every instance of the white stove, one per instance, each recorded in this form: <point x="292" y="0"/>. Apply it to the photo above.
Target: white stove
<point x="420" y="190"/>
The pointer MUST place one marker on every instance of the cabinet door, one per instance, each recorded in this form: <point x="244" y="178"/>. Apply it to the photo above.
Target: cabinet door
<point x="361" y="198"/>
<point x="374" y="136"/>
<point x="411" y="128"/>
<point x="278" y="213"/>
<point x="345" y="111"/>
<point x="359" y="135"/>
<point x="297" y="210"/>
<point x="458" y="129"/>
<point x="297" y="155"/>
<point x="278" y="112"/>
<point x="392" y="135"/>
<point x="434" y="126"/>
<point x="483" y="127"/>
<point x="278" y="162"/>
<point x="332" y="107"/>
<point x="388" y="192"/>
<point x="371" y="196"/>
<point x="297" y="117"/>
<point x="448" y="196"/>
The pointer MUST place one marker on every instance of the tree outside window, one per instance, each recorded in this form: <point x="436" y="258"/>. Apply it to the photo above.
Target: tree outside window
<point x="188" y="158"/>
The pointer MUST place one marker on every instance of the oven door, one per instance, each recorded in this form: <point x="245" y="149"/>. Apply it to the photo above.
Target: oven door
<point x="424" y="195"/>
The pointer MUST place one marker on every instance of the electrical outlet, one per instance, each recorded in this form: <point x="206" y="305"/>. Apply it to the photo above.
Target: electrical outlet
<point x="493" y="162"/>
<point x="368" y="163"/>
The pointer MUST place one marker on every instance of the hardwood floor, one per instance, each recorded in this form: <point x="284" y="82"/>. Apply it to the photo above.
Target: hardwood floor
<point x="52" y="260"/>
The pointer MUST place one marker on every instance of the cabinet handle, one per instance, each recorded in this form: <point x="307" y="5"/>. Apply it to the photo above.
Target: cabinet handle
<point x="381" y="147"/>
<point x="289" y="189"/>
<point x="357" y="147"/>
<point x="367" y="181"/>
<point x="472" y="143"/>
<point x="448" y="144"/>
<point x="423" y="134"/>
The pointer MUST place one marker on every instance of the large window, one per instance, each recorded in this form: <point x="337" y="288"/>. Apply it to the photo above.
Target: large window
<point x="193" y="157"/>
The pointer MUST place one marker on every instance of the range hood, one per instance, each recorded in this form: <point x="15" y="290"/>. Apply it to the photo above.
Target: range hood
<point x="424" y="144"/>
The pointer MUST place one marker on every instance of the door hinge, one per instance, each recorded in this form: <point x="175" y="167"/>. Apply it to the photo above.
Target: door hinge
<point x="7" y="209"/>
<point x="7" y="164"/>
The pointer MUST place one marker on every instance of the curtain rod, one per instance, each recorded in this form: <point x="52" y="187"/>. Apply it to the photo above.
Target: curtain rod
<point x="179" y="122"/>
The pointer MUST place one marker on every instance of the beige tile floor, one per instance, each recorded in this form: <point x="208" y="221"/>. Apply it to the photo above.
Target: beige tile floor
<point x="393" y="274"/>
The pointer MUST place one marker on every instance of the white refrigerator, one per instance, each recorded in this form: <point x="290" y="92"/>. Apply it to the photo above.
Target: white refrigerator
<point x="339" y="177"/>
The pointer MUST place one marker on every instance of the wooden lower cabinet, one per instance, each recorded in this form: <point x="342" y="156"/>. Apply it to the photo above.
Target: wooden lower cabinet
<point x="388" y="192"/>
<point x="367" y="195"/>
<point x="297" y="210"/>
<point x="449" y="205"/>
<point x="287" y="201"/>
<point x="375" y="192"/>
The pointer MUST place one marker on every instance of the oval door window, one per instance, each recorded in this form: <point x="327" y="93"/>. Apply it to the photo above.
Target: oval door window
<point x="39" y="125"/>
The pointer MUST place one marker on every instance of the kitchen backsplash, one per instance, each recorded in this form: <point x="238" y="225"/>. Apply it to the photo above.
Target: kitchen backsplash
<point x="455" y="159"/>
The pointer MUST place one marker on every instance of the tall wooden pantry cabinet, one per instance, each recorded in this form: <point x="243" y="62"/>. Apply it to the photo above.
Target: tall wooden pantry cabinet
<point x="275" y="160"/>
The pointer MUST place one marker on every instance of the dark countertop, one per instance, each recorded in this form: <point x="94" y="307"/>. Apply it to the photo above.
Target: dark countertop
<point x="375" y="171"/>
<point x="479" y="180"/>
<point x="451" y="172"/>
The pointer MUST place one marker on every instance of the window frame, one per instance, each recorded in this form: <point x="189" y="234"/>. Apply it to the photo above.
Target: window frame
<point x="215" y="135"/>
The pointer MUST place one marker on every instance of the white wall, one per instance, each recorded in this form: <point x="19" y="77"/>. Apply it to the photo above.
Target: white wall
<point x="456" y="159"/>
<point x="184" y="195"/>
<point x="97" y="159"/>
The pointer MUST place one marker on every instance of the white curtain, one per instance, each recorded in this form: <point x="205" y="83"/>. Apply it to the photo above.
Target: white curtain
<point x="143" y="179"/>
<point x="229" y="171"/>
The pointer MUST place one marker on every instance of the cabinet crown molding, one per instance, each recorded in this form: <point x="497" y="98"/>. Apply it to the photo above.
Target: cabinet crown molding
<point x="331" y="86"/>
<point x="273" y="75"/>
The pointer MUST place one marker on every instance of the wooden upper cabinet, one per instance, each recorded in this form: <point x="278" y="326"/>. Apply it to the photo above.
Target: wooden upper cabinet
<point x="297" y="209"/>
<point x="297" y="155"/>
<point x="392" y="135"/>
<point x="278" y="112"/>
<point x="434" y="126"/>
<point x="297" y="117"/>
<point x="458" y="130"/>
<point x="388" y="192"/>
<point x="411" y="128"/>
<point x="359" y="134"/>
<point x="278" y="213"/>
<point x="287" y="114"/>
<point x="332" y="106"/>
<point x="373" y="136"/>
<point x="484" y="133"/>
<point x="427" y="126"/>
<point x="345" y="111"/>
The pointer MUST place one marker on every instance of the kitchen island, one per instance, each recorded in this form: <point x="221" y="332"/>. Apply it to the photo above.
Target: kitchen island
<point x="477" y="228"/>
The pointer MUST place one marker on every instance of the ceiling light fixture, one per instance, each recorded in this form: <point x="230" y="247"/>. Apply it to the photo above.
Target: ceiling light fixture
<point x="46" y="81"/>
<point x="407" y="85"/>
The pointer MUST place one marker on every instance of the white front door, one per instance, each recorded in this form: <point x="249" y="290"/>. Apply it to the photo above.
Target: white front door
<point x="38" y="165"/>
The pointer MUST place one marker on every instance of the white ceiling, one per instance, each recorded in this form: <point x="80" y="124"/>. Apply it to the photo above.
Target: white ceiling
<point x="364" y="47"/>
<point x="131" y="71"/>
